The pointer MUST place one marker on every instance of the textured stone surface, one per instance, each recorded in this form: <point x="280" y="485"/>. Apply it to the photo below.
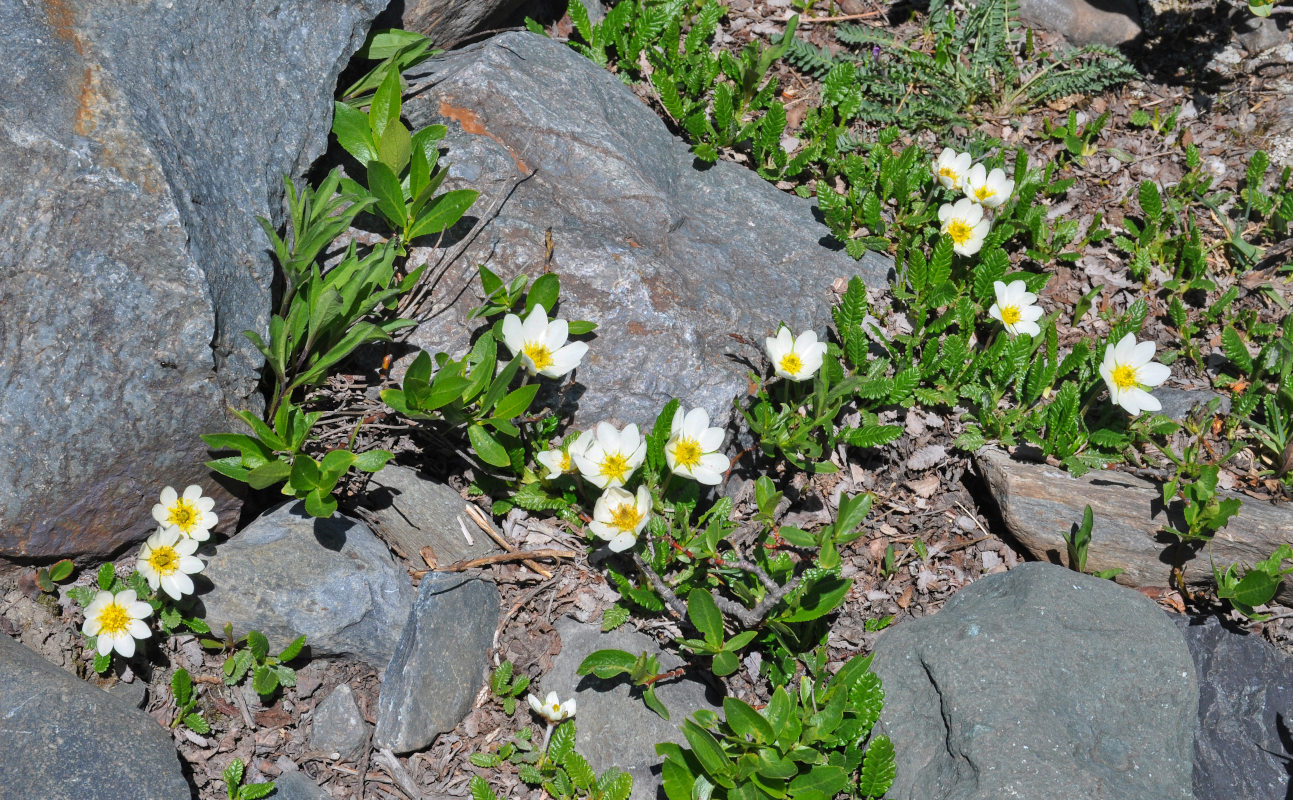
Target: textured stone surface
<point x="440" y="663"/>
<point x="1111" y="22"/>
<point x="1039" y="504"/>
<point x="137" y="143"/>
<point x="1242" y="746"/>
<point x="294" y="785"/>
<point x="613" y="726"/>
<point x="666" y="257"/>
<point x="1039" y="683"/>
<point x="411" y="511"/>
<point x="64" y="738"/>
<point x="288" y="574"/>
<point x="337" y="726"/>
<point x="448" y="22"/>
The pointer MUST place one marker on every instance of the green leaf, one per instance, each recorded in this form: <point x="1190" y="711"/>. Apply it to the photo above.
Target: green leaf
<point x="443" y="212"/>
<point x="385" y="186"/>
<point x="385" y="107"/>
<point x="516" y="403"/>
<point x="60" y="570"/>
<point x="1233" y="346"/>
<point x="258" y="645"/>
<point x="659" y="436"/>
<point x="652" y="702"/>
<point x="107" y="574"/>
<point x="821" y="598"/>
<point x="1254" y="589"/>
<point x="745" y="721"/>
<point x="543" y="292"/>
<point x="725" y="663"/>
<point x="606" y="663"/>
<point x="351" y="129"/>
<point x="879" y="768"/>
<point x="486" y="447"/>
<point x="826" y="780"/>
<point x="704" y="614"/>
<point x="1151" y="202"/>
<point x="710" y="753"/>
<point x="320" y="504"/>
<point x="292" y="650"/>
<point x="196" y="723"/>
<point x="480" y="787"/>
<point x="182" y="687"/>
<point x="373" y="460"/>
<point x="614" y="617"/>
<point x="269" y="473"/>
<point x="102" y="662"/>
<point x="264" y="680"/>
<point x="233" y="775"/>
<point x="395" y="148"/>
<point x="255" y="791"/>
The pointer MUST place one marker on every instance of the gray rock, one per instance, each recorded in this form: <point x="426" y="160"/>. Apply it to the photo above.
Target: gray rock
<point x="1037" y="683"/>
<point x="337" y="726"/>
<point x="1111" y="22"/>
<point x="138" y="141"/>
<point x="448" y="22"/>
<point x="294" y="785"/>
<point x="1242" y="746"/>
<point x="288" y="574"/>
<point x="64" y="738"/>
<point x="1258" y="34"/>
<point x="440" y="663"/>
<point x="410" y="512"/>
<point x="1178" y="403"/>
<point x="613" y="727"/>
<point x="668" y="258"/>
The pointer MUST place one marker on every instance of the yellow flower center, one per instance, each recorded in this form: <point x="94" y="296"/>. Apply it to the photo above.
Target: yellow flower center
<point x="1010" y="314"/>
<point x="556" y="709"/>
<point x="164" y="560"/>
<point x="625" y="517"/>
<point x="615" y="467"/>
<point x="566" y="461"/>
<point x="948" y="172"/>
<point x="183" y="515"/>
<point x="959" y="231"/>
<point x="113" y="619"/>
<point x="984" y="193"/>
<point x="687" y="453"/>
<point x="1124" y="377"/>
<point x="539" y="353"/>
<point x="791" y="363"/>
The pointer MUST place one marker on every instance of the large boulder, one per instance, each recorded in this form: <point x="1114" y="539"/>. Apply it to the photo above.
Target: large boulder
<point x="669" y="257"/>
<point x="1039" y="682"/>
<point x="65" y="738"/>
<point x="448" y="22"/>
<point x="138" y="142"/>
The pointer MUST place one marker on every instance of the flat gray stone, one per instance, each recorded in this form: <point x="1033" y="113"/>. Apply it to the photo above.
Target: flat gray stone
<point x="138" y="142"/>
<point x="613" y="727"/>
<point x="448" y="22"/>
<point x="288" y="574"/>
<point x="65" y="738"/>
<point x="1039" y="683"/>
<point x="1081" y="22"/>
<point x="295" y="785"/>
<point x="1242" y="746"/>
<point x="440" y="663"/>
<point x="411" y="511"/>
<point x="337" y="726"/>
<point x="1178" y="403"/>
<point x="668" y="258"/>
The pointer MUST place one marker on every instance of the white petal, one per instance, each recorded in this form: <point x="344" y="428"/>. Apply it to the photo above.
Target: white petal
<point x="695" y="423"/>
<point x="190" y="565"/>
<point x="1029" y="327"/>
<point x="710" y="439"/>
<point x="1142" y="354"/>
<point x="1123" y="350"/>
<point x="138" y="609"/>
<point x="192" y="492"/>
<point x="558" y="331"/>
<point x="565" y="359"/>
<point x="622" y="542"/>
<point x="1031" y="313"/>
<point x="535" y="704"/>
<point x="125" y="645"/>
<point x="169" y="496"/>
<point x="995" y="312"/>
<point x="512" y="333"/>
<point x="1153" y="373"/>
<point x="534" y="326"/>
<point x="126" y="596"/>
<point x="104" y="644"/>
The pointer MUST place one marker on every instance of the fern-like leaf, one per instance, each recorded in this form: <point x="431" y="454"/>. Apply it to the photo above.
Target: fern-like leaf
<point x="879" y="768"/>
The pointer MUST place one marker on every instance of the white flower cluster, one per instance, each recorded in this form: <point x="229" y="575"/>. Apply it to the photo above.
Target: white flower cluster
<point x="166" y="560"/>
<point x="963" y="220"/>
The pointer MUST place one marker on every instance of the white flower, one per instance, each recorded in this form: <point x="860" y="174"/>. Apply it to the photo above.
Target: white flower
<point x="541" y="345"/>
<point x="795" y="358"/>
<point x="990" y="189"/>
<point x="561" y="461"/>
<point x="612" y="456"/>
<point x="116" y="620"/>
<point x="190" y="513"/>
<point x="166" y="559"/>
<point x="692" y="449"/>
<point x="1129" y="370"/>
<point x="1015" y="308"/>
<point x="552" y="709"/>
<point x="964" y="222"/>
<point x="950" y="167"/>
<point x="618" y="517"/>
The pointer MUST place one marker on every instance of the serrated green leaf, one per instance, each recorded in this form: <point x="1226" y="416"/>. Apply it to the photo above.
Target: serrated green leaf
<point x="879" y="768"/>
<point x="264" y="680"/>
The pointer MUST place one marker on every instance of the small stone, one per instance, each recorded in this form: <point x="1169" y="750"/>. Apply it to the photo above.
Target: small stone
<point x="288" y="574"/>
<point x="614" y="727"/>
<point x="411" y="512"/>
<point x="440" y="662"/>
<point x="1178" y="403"/>
<point x="295" y="785"/>
<point x="66" y="738"/>
<point x="337" y="725"/>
